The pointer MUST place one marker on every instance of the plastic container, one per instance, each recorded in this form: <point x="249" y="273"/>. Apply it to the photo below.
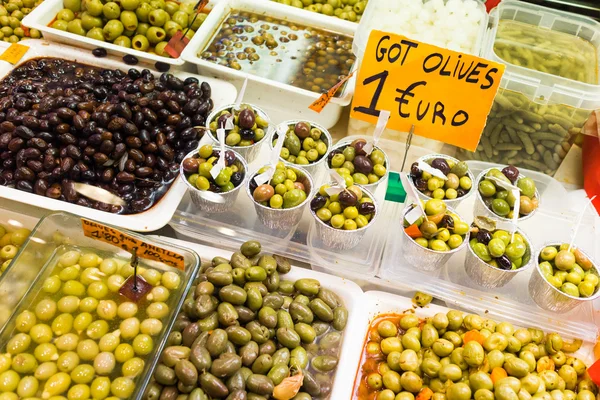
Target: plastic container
<point x="233" y="228"/>
<point x="349" y="292"/>
<point x="537" y="116"/>
<point x="249" y="153"/>
<point x="511" y="302"/>
<point x="421" y="258"/>
<point x="281" y="101"/>
<point x="556" y="46"/>
<point x="204" y="202"/>
<point x="44" y="15"/>
<point x="158" y="215"/>
<point x="60" y="232"/>
<point x="449" y="202"/>
<point x="283" y="220"/>
<point x="315" y="169"/>
<point x="341" y="239"/>
<point x="549" y="297"/>
<point x="488" y="276"/>
<point x="481" y="209"/>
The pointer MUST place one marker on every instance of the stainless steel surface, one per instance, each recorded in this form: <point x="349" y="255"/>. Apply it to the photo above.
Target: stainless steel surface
<point x="372" y="187"/>
<point x="425" y="259"/>
<point x="315" y="169"/>
<point x="488" y="276"/>
<point x="451" y="203"/>
<point x="249" y="153"/>
<point x="203" y="201"/>
<point x="550" y="298"/>
<point x="284" y="219"/>
<point x="481" y="210"/>
<point x="340" y="239"/>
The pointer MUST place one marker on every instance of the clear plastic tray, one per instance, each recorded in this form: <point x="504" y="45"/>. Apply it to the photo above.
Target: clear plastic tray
<point x="350" y="293"/>
<point x="511" y="302"/>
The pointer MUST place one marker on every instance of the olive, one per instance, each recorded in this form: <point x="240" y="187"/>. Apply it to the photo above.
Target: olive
<point x="441" y="164"/>
<point x="247" y="118"/>
<point x="99" y="52"/>
<point x="511" y="172"/>
<point x="363" y="164"/>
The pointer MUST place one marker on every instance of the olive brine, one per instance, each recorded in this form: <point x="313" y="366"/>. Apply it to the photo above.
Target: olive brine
<point x="246" y="333"/>
<point x="126" y="132"/>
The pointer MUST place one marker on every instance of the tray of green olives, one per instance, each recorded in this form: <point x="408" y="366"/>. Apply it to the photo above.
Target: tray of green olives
<point x="86" y="327"/>
<point x="437" y="352"/>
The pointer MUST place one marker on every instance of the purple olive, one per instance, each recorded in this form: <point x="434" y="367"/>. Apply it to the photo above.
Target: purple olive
<point x="190" y="165"/>
<point x="504" y="262"/>
<point x="347" y="198"/>
<point x="358" y="145"/>
<point x="441" y="164"/>
<point x="237" y="178"/>
<point x="366" y="208"/>
<point x="447" y="222"/>
<point x="511" y="172"/>
<point x="222" y="120"/>
<point x="247" y="118"/>
<point x="302" y="130"/>
<point x="415" y="172"/>
<point x="421" y="184"/>
<point x="484" y="236"/>
<point x="318" y="202"/>
<point x="363" y="164"/>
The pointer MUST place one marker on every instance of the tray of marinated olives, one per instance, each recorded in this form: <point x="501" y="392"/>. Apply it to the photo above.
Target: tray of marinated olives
<point x="135" y="141"/>
<point x="14" y="231"/>
<point x="294" y="334"/>
<point x="438" y="353"/>
<point x="347" y="10"/>
<point x="498" y="201"/>
<point x="128" y="28"/>
<point x="88" y="327"/>
<point x="12" y="13"/>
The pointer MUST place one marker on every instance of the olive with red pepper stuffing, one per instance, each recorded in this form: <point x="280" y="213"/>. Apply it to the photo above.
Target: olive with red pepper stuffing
<point x="63" y="122"/>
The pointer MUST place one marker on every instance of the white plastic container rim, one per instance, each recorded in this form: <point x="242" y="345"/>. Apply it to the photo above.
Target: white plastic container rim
<point x="161" y="212"/>
<point x="359" y="45"/>
<point x="205" y="34"/>
<point x="548" y="17"/>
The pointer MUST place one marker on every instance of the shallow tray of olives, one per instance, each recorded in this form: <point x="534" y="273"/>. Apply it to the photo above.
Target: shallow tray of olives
<point x="97" y="157"/>
<point x="263" y="355"/>
<point x="435" y="352"/>
<point x="346" y="10"/>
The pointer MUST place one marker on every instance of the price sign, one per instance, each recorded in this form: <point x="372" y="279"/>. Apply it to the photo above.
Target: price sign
<point x="106" y="234"/>
<point x="14" y="53"/>
<point x="445" y="94"/>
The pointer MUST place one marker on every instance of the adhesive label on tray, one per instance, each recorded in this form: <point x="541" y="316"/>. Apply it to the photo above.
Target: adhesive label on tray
<point x="445" y="95"/>
<point x="107" y="234"/>
<point x="319" y="104"/>
<point x="14" y="53"/>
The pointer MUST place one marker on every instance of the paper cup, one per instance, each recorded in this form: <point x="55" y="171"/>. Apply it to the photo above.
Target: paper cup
<point x="551" y="298"/>
<point x="283" y="219"/>
<point x="372" y="187"/>
<point x="314" y="169"/>
<point x="230" y="197"/>
<point x="482" y="210"/>
<point x="450" y="203"/>
<point x="340" y="239"/>
<point x="425" y="259"/>
<point x="488" y="276"/>
<point x="249" y="153"/>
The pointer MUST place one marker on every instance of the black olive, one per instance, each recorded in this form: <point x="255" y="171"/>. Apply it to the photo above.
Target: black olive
<point x="318" y="202"/>
<point x="99" y="52"/>
<point x="504" y="262"/>
<point x="366" y="208"/>
<point x="484" y="236"/>
<point x="247" y="134"/>
<point x="347" y="198"/>
<point x="130" y="59"/>
<point x="363" y="164"/>
<point x="511" y="172"/>
<point x="441" y="164"/>
<point x="237" y="178"/>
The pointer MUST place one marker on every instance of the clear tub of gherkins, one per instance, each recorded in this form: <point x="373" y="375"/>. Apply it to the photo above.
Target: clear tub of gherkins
<point x="532" y="125"/>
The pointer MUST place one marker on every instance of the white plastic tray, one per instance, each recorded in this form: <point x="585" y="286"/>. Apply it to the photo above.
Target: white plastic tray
<point x="377" y="303"/>
<point x="279" y="100"/>
<point x="45" y="13"/>
<point x="350" y="293"/>
<point x="512" y="302"/>
<point x="152" y="219"/>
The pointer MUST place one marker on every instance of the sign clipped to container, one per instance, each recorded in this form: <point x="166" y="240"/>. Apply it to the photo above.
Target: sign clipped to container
<point x="444" y="94"/>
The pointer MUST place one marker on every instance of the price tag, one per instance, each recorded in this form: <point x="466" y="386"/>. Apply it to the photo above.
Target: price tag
<point x="177" y="44"/>
<point x="445" y="94"/>
<point x="14" y="53"/>
<point x="107" y="234"/>
<point x="319" y="104"/>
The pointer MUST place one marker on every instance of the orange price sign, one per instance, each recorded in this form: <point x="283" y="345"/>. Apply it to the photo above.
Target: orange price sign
<point x="445" y="94"/>
<point x="110" y="235"/>
<point x="14" y="53"/>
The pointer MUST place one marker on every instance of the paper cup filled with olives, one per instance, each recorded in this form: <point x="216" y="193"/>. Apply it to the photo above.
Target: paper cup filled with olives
<point x="250" y="126"/>
<point x="564" y="278"/>
<point x="343" y="219"/>
<point x="350" y="161"/>
<point x="280" y="203"/>
<point x="494" y="257"/>
<point x="306" y="145"/>
<point x="430" y="241"/>
<point x="453" y="190"/>
<point x="213" y="195"/>
<point x="496" y="202"/>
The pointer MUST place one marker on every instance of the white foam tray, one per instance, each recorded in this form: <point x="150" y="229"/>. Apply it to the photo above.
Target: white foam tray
<point x="350" y="293"/>
<point x="157" y="216"/>
<point x="280" y="101"/>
